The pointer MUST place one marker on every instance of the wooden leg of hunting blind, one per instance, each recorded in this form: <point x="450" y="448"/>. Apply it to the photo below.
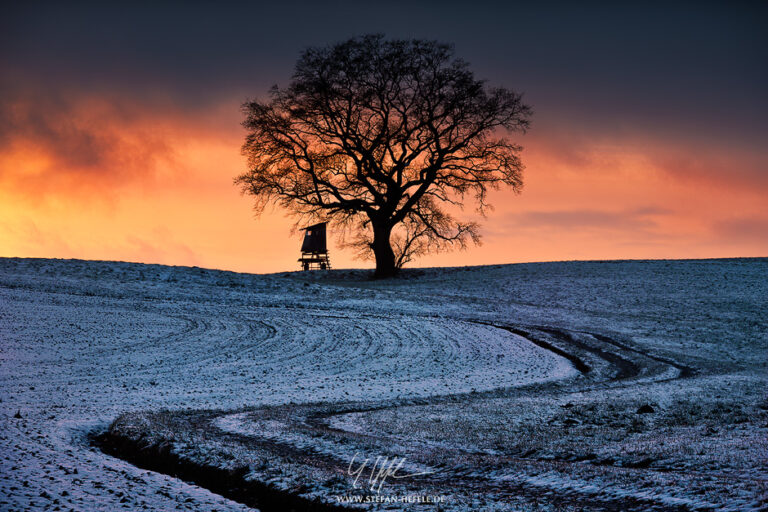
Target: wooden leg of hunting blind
<point x="315" y="261"/>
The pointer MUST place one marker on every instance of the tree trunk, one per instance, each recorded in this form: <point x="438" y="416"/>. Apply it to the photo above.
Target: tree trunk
<point x="382" y="250"/>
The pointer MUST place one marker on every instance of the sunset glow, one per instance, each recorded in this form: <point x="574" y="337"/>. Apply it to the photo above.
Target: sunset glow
<point x="100" y="172"/>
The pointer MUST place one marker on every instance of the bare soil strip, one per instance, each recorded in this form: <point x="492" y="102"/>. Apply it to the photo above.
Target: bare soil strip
<point x="231" y="483"/>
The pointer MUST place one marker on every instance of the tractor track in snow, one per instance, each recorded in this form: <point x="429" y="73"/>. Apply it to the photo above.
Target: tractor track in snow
<point x="313" y="421"/>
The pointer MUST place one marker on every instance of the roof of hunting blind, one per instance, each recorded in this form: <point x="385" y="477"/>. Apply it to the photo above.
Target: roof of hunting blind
<point x="314" y="238"/>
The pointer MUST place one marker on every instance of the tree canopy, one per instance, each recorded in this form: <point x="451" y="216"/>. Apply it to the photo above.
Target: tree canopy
<point x="383" y="138"/>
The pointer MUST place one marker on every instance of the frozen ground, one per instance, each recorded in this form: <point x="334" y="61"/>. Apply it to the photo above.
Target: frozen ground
<point x="479" y="374"/>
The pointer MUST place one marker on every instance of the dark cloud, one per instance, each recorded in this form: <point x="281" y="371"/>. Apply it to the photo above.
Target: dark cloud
<point x="77" y="144"/>
<point x="694" y="64"/>
<point x="692" y="72"/>
<point x="54" y="127"/>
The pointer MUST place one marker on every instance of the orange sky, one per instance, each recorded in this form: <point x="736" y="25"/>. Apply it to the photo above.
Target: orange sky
<point x="156" y="186"/>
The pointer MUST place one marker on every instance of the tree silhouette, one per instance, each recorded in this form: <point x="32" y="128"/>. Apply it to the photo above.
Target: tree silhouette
<point x="380" y="138"/>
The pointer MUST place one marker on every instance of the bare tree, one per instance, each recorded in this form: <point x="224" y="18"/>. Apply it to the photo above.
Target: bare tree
<point x="379" y="137"/>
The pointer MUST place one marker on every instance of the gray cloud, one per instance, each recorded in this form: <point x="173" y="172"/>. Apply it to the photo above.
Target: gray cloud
<point x="644" y="219"/>
<point x="691" y="75"/>
<point x="92" y="145"/>
<point x="695" y="68"/>
<point x="743" y="229"/>
<point x="55" y="127"/>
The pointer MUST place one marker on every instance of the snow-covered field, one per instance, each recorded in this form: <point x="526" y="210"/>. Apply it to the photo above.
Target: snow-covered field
<point x="519" y="386"/>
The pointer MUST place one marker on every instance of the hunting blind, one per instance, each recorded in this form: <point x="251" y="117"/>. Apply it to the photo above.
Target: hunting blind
<point x="314" y="251"/>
